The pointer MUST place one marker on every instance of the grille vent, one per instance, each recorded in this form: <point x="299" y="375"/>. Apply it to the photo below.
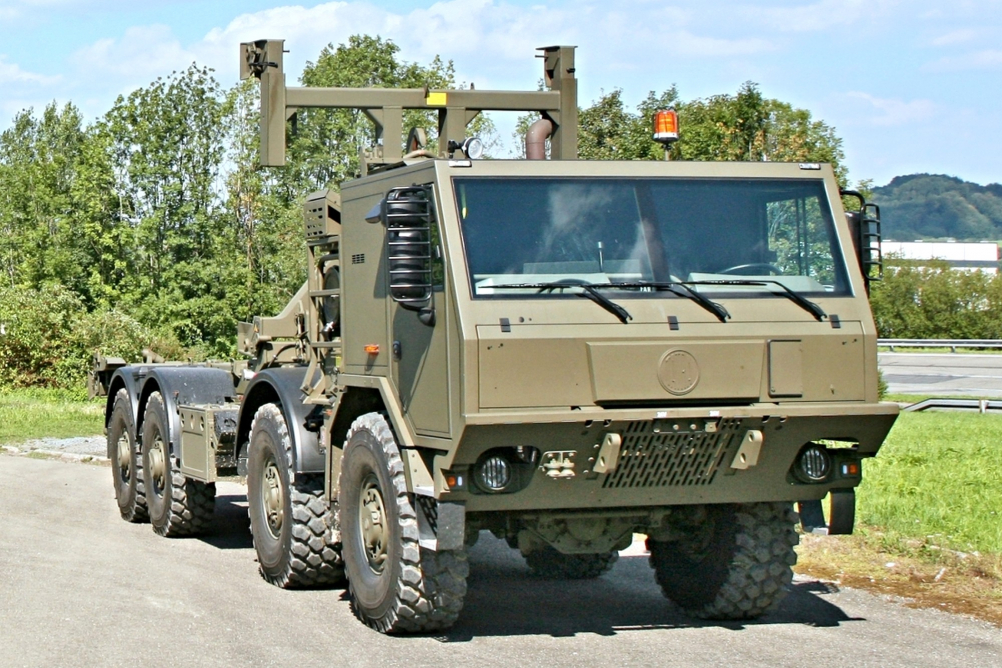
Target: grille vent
<point x="669" y="458"/>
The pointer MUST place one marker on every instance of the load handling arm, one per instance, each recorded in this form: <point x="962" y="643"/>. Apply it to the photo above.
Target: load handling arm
<point x="385" y="106"/>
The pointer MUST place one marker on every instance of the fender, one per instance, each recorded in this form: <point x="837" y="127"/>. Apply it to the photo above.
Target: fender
<point x="129" y="378"/>
<point x="282" y="385"/>
<point x="391" y="405"/>
<point x="183" y="385"/>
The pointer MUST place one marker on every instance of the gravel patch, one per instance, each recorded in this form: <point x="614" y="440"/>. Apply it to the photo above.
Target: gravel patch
<point x="93" y="448"/>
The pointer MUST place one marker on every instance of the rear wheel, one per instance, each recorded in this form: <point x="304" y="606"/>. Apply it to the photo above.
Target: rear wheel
<point x="735" y="562"/>
<point x="126" y="461"/>
<point x="395" y="585"/>
<point x="548" y="562"/>
<point x="295" y="536"/>
<point x="177" y="506"/>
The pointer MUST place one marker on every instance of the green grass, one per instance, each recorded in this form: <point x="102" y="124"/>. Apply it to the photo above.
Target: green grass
<point x="29" y="414"/>
<point x="939" y="475"/>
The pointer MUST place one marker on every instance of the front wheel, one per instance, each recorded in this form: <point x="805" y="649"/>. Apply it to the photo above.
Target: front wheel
<point x="734" y="562"/>
<point x="395" y="585"/>
<point x="177" y="506"/>
<point x="295" y="536"/>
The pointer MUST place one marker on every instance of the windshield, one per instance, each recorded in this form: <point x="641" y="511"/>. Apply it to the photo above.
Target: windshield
<point x="601" y="231"/>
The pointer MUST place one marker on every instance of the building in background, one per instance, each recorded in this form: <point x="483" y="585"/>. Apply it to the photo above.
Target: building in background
<point x="969" y="256"/>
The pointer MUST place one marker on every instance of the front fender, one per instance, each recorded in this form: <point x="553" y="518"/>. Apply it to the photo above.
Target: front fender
<point x="282" y="385"/>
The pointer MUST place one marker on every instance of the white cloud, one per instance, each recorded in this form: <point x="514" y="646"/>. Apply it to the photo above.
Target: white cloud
<point x="490" y="38"/>
<point x="894" y="112"/>
<point x="961" y="36"/>
<point x="11" y="73"/>
<point x="142" y="53"/>
<point x="818" y="16"/>
<point x="985" y="59"/>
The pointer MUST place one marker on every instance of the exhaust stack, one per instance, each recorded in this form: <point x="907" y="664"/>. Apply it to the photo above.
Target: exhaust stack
<point x="535" y="139"/>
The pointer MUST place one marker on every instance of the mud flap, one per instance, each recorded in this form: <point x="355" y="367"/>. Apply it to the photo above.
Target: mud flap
<point x="441" y="525"/>
<point x="841" y="514"/>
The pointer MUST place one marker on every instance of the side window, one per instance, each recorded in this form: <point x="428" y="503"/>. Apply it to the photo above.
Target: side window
<point x="800" y="237"/>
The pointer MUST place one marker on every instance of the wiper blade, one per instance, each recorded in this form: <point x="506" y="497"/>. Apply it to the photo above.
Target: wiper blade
<point x="680" y="289"/>
<point x="792" y="295"/>
<point x="588" y="289"/>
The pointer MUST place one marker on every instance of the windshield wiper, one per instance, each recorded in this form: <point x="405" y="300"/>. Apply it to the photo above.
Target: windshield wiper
<point x="680" y="289"/>
<point x="793" y="296"/>
<point x="589" y="289"/>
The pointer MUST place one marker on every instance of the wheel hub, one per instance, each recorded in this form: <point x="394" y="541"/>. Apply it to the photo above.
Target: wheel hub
<point x="124" y="457"/>
<point x="372" y="522"/>
<point x="273" y="498"/>
<point x="158" y="465"/>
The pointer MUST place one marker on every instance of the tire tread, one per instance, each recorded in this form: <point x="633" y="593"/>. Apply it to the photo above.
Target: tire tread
<point x="758" y="572"/>
<point x="432" y="586"/>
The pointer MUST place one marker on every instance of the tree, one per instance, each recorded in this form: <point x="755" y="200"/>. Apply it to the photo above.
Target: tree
<point x="324" y="150"/>
<point x="744" y="126"/>
<point x="38" y="160"/>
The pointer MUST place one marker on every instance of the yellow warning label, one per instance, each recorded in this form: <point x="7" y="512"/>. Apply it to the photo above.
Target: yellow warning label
<point x="436" y="99"/>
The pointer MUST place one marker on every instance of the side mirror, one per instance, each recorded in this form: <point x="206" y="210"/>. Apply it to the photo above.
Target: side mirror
<point x="408" y="215"/>
<point x="377" y="214"/>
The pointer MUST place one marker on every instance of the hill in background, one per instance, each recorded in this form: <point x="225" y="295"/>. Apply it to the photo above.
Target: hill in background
<point x="934" y="206"/>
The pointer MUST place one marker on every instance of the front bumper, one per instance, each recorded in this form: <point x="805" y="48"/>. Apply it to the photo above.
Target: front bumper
<point x="667" y="457"/>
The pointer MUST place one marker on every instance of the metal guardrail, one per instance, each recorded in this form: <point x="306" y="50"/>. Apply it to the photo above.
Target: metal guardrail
<point x="979" y="405"/>
<point x="952" y="344"/>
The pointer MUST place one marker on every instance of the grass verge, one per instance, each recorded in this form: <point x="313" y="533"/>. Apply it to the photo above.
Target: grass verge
<point x="30" y="414"/>
<point x="929" y="527"/>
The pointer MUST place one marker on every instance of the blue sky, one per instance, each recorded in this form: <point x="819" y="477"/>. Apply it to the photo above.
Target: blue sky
<point x="910" y="85"/>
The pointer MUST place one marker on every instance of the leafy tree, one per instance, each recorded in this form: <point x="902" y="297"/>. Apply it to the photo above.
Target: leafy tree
<point x="745" y="126"/>
<point x="38" y="157"/>
<point x="324" y="150"/>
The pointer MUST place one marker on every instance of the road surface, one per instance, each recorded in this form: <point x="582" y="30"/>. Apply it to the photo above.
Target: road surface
<point x="80" y="587"/>
<point x="942" y="375"/>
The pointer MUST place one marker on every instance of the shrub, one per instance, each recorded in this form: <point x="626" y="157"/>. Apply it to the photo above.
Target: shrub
<point x="47" y="338"/>
<point x="936" y="302"/>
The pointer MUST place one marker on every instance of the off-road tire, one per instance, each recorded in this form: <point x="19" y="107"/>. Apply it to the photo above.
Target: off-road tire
<point x="547" y="562"/>
<point x="414" y="590"/>
<point x="737" y="567"/>
<point x="177" y="506"/>
<point x="305" y="551"/>
<point x="126" y="461"/>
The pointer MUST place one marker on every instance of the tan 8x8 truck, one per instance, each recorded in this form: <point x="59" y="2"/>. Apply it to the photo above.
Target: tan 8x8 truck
<point x="564" y="353"/>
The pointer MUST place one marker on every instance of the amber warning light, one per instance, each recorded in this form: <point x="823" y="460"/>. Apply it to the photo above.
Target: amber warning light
<point x="666" y="126"/>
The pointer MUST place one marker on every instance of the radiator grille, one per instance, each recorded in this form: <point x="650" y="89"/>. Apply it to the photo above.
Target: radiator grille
<point x="656" y="455"/>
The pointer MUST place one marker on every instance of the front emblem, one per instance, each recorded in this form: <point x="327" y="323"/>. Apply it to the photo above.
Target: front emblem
<point x="678" y="372"/>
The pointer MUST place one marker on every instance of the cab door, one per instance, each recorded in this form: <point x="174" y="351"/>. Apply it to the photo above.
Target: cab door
<point x="419" y="321"/>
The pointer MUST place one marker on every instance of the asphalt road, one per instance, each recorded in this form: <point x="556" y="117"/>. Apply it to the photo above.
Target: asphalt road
<point x="80" y="587"/>
<point x="956" y="375"/>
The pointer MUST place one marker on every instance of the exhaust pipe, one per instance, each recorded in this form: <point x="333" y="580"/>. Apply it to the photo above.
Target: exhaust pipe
<point x="535" y="139"/>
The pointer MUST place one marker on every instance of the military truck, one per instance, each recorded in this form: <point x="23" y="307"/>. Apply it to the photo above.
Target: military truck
<point x="560" y="352"/>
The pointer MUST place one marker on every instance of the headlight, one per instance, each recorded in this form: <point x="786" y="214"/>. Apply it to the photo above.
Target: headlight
<point x="494" y="473"/>
<point x="814" y="464"/>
